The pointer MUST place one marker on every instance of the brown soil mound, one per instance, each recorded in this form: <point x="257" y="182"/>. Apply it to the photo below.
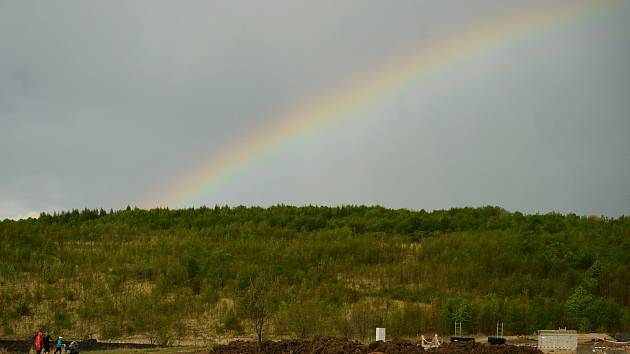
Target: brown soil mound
<point x="478" y="348"/>
<point x="331" y="345"/>
<point x="396" y="346"/>
<point x="319" y="345"/>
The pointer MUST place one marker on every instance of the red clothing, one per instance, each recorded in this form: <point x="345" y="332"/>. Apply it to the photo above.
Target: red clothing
<point x="39" y="342"/>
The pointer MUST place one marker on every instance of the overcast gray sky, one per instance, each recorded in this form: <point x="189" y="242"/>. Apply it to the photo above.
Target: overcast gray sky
<point x="107" y="104"/>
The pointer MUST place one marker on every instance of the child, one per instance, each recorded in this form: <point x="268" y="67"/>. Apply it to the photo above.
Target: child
<point x="59" y="345"/>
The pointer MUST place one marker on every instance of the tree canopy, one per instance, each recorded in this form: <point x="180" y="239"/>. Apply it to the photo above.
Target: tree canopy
<point x="169" y="274"/>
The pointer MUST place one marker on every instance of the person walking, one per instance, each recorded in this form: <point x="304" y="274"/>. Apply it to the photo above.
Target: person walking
<point x="39" y="342"/>
<point x="59" y="345"/>
<point x="47" y="344"/>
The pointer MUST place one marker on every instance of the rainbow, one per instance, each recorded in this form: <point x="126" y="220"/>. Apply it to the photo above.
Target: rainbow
<point x="421" y="64"/>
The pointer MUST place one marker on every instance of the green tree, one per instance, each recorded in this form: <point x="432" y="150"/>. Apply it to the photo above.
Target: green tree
<point x="516" y="317"/>
<point x="575" y="305"/>
<point x="363" y="320"/>
<point x="304" y="317"/>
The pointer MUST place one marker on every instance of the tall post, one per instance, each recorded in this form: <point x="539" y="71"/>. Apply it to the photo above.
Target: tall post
<point x="499" y="329"/>
<point x="458" y="328"/>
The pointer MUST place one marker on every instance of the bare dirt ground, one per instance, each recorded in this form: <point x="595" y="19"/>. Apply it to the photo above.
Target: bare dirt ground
<point x="331" y="345"/>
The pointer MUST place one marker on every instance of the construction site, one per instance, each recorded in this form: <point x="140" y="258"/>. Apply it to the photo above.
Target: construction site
<point x="560" y="341"/>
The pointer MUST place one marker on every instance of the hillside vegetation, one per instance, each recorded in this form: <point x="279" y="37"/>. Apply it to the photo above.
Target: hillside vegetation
<point x="301" y="271"/>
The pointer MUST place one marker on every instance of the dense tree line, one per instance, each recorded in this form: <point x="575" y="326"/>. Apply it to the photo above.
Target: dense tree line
<point x="169" y="274"/>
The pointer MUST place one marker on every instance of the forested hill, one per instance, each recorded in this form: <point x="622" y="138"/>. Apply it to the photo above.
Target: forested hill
<point x="169" y="274"/>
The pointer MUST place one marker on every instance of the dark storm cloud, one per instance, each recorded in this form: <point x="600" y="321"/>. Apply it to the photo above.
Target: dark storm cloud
<point x="101" y="102"/>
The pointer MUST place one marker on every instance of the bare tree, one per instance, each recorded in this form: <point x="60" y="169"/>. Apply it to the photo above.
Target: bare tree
<point x="258" y="304"/>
